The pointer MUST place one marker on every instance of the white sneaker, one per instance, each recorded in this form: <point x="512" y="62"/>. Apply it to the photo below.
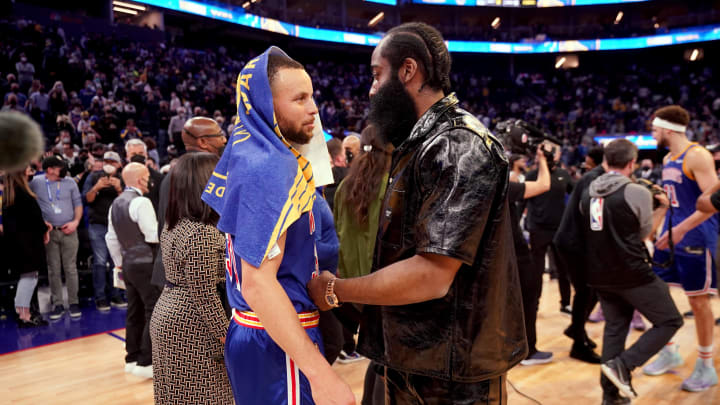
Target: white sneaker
<point x="129" y="367"/>
<point x="143" y="371"/>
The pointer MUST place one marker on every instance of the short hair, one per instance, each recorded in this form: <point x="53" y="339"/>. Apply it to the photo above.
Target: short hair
<point x="424" y="44"/>
<point x="188" y="179"/>
<point x="334" y="146"/>
<point x="674" y="114"/>
<point x="619" y="153"/>
<point x="514" y="158"/>
<point x="277" y="62"/>
<point x="596" y="153"/>
<point x="135" y="142"/>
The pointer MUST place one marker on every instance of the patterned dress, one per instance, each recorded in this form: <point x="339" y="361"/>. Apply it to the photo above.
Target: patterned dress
<point x="189" y="319"/>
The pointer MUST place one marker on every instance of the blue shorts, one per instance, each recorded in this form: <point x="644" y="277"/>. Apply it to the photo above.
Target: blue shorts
<point x="695" y="273"/>
<point x="260" y="372"/>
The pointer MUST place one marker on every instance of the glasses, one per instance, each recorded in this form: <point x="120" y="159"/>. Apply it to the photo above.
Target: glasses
<point x="219" y="134"/>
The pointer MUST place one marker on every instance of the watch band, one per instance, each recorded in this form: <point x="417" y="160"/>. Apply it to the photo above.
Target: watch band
<point x="330" y="296"/>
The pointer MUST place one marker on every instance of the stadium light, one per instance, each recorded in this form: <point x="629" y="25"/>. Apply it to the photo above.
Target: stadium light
<point x="125" y="5"/>
<point x="619" y="17"/>
<point x="694" y="55"/>
<point x="495" y="23"/>
<point x="125" y="10"/>
<point x="560" y="62"/>
<point x="246" y="5"/>
<point x="375" y="20"/>
<point x="656" y="25"/>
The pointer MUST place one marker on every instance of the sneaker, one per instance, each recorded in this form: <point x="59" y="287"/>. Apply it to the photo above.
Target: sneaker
<point x="102" y="305"/>
<point x="142" y="371"/>
<point x="129" y="367"/>
<point x="75" y="311"/>
<point x="637" y="322"/>
<point x="619" y="375"/>
<point x="597" y="316"/>
<point x="667" y="360"/>
<point x="344" y="358"/>
<point x="701" y="379"/>
<point x="567" y="310"/>
<point x="57" y="313"/>
<point x="618" y="400"/>
<point x="118" y="302"/>
<point x="589" y="342"/>
<point x="584" y="353"/>
<point x="538" y="358"/>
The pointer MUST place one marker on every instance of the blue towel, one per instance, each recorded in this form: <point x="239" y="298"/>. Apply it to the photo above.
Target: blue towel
<point x="261" y="185"/>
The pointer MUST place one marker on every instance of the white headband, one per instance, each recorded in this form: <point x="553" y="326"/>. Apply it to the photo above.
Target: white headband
<point x="659" y="122"/>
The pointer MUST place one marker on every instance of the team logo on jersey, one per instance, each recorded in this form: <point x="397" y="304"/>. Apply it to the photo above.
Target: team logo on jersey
<point x="672" y="174"/>
<point x="596" y="214"/>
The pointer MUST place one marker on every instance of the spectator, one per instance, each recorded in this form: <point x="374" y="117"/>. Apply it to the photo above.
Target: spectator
<point x="25" y="71"/>
<point x="61" y="206"/>
<point x="175" y="129"/>
<point x="131" y="239"/>
<point x="136" y="151"/>
<point x="130" y="131"/>
<point x="25" y="235"/>
<point x="339" y="169"/>
<point x="100" y="190"/>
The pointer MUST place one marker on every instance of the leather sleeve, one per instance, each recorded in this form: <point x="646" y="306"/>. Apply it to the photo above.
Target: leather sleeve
<point x="458" y="178"/>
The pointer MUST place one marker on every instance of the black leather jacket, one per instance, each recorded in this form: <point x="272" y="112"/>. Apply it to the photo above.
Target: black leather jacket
<point x="447" y="195"/>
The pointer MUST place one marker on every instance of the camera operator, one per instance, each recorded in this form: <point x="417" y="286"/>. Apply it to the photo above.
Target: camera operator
<point x="543" y="219"/>
<point x="618" y="216"/>
<point x="518" y="192"/>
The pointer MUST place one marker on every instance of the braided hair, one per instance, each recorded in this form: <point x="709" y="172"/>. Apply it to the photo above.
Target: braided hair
<point x="425" y="45"/>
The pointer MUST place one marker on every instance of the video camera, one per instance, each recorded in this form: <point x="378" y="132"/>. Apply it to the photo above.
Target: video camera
<point x="520" y="137"/>
<point x="654" y="190"/>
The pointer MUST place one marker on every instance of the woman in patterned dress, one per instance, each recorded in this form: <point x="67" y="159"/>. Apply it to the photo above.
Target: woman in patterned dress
<point x="189" y="323"/>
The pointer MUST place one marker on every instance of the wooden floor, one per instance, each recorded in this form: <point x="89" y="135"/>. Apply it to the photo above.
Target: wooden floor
<point x="90" y="370"/>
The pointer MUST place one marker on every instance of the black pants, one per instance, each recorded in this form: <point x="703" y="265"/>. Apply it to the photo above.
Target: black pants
<point x="410" y="389"/>
<point x="374" y="386"/>
<point x="585" y="297"/>
<point x="349" y="316"/>
<point x="653" y="300"/>
<point x="540" y="241"/>
<point x="332" y="335"/>
<point x="530" y="279"/>
<point x="141" y="295"/>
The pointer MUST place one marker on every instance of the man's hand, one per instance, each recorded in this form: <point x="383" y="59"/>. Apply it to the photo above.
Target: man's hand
<point x="317" y="288"/>
<point x="662" y="198"/>
<point x="663" y="243"/>
<point x="115" y="182"/>
<point x="102" y="183"/>
<point x="69" y="228"/>
<point x="331" y="390"/>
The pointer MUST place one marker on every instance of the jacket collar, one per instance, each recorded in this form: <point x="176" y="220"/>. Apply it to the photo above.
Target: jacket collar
<point x="429" y="118"/>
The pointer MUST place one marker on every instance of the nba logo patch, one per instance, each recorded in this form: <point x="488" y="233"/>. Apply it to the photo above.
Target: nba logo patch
<point x="596" y="214"/>
<point x="312" y="223"/>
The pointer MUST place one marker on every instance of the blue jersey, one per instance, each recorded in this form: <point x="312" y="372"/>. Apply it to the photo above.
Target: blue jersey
<point x="298" y="265"/>
<point x="683" y="192"/>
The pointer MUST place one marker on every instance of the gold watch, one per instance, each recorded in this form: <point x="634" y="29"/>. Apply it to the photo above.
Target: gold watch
<point x="330" y="296"/>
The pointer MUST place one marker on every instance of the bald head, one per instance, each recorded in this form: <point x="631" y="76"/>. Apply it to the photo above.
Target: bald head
<point x="352" y="143"/>
<point x="203" y="134"/>
<point x="136" y="175"/>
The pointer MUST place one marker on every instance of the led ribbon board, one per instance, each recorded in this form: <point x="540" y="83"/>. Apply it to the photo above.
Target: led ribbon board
<point x="237" y="15"/>
<point x="643" y="142"/>
<point x="524" y="3"/>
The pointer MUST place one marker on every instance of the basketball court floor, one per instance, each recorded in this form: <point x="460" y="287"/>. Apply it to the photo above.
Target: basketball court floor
<point x="81" y="362"/>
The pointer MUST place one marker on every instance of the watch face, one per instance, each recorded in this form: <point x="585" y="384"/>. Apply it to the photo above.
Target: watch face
<point x="331" y="300"/>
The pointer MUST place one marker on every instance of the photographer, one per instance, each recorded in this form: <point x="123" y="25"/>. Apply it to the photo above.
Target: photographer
<point x="100" y="190"/>
<point x="618" y="216"/>
<point x="518" y="192"/>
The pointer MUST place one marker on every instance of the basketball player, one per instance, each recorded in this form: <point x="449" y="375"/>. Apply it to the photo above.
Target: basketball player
<point x="688" y="170"/>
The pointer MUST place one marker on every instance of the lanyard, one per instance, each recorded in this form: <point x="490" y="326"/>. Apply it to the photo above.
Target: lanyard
<point x="57" y="192"/>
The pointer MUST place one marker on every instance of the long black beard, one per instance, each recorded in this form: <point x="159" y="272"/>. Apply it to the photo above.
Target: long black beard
<point x="392" y="111"/>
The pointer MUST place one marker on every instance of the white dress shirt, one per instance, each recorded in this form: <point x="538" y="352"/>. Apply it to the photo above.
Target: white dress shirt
<point x="142" y="213"/>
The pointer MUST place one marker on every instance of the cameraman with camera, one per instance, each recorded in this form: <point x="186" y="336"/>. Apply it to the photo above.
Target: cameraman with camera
<point x="519" y="137"/>
<point x="618" y="217"/>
